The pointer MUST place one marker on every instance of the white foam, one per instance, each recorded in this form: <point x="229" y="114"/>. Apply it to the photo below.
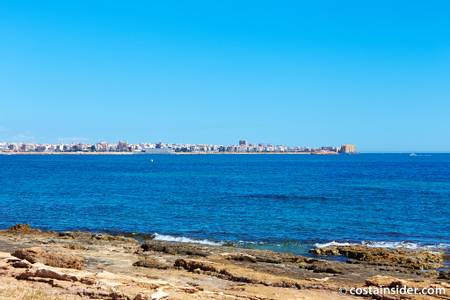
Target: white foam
<point x="406" y="245"/>
<point x="333" y="243"/>
<point x="241" y="242"/>
<point x="392" y="245"/>
<point x="439" y="246"/>
<point x="182" y="239"/>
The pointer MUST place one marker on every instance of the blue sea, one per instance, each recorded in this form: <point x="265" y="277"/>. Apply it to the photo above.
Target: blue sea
<point x="279" y="202"/>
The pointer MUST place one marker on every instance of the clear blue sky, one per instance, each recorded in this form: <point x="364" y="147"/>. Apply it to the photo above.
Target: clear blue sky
<point x="373" y="73"/>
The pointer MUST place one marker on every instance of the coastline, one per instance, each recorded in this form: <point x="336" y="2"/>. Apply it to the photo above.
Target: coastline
<point x="66" y="153"/>
<point x="253" y="153"/>
<point x="168" y="153"/>
<point x="85" y="265"/>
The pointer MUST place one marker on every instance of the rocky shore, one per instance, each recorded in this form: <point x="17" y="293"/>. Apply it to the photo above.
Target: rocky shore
<point x="37" y="264"/>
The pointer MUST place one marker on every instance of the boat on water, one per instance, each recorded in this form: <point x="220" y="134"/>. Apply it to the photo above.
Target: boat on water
<point x="412" y="154"/>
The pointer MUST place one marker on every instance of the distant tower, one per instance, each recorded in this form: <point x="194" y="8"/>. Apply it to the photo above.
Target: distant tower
<point x="348" y="149"/>
<point x="242" y="142"/>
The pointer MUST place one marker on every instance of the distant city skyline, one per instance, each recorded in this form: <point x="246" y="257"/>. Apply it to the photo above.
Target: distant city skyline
<point x="282" y="72"/>
<point x="74" y="140"/>
<point x="243" y="146"/>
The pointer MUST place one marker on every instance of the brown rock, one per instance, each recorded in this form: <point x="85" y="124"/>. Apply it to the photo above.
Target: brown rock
<point x="50" y="258"/>
<point x="141" y="296"/>
<point x="46" y="272"/>
<point x="412" y="259"/>
<point x="102" y="294"/>
<point x="213" y="269"/>
<point x="444" y="275"/>
<point x="21" y="228"/>
<point x="174" y="248"/>
<point x="76" y="235"/>
<point x="271" y="259"/>
<point x="20" y="264"/>
<point x="241" y="257"/>
<point x="318" y="266"/>
<point x="191" y="265"/>
<point x="66" y="234"/>
<point x="150" y="262"/>
<point x="75" y="246"/>
<point x="110" y="237"/>
<point x="384" y="281"/>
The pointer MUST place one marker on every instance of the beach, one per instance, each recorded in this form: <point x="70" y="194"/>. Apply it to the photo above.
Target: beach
<point x="86" y="265"/>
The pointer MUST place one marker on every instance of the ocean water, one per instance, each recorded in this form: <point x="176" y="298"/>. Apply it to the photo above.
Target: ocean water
<point x="279" y="202"/>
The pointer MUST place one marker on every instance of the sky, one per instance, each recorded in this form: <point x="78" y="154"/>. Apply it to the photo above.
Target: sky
<point x="307" y="73"/>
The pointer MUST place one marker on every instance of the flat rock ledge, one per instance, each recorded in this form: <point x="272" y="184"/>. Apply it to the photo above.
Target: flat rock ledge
<point x="50" y="258"/>
<point x="411" y="259"/>
<point x="39" y="265"/>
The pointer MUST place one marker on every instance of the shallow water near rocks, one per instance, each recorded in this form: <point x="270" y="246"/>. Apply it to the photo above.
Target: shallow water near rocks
<point x="276" y="202"/>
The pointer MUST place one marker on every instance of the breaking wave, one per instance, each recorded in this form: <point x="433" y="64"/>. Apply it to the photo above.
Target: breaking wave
<point x="182" y="239"/>
<point x="407" y="245"/>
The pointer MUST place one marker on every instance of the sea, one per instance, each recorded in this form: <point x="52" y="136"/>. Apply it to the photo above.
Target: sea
<point x="288" y="203"/>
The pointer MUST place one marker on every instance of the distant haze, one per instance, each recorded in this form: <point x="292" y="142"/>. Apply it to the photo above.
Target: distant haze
<point x="309" y="73"/>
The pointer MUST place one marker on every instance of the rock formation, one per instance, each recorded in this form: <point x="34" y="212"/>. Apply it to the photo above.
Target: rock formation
<point x="39" y="265"/>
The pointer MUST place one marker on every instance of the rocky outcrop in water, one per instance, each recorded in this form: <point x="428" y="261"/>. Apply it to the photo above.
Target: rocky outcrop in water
<point x="406" y="258"/>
